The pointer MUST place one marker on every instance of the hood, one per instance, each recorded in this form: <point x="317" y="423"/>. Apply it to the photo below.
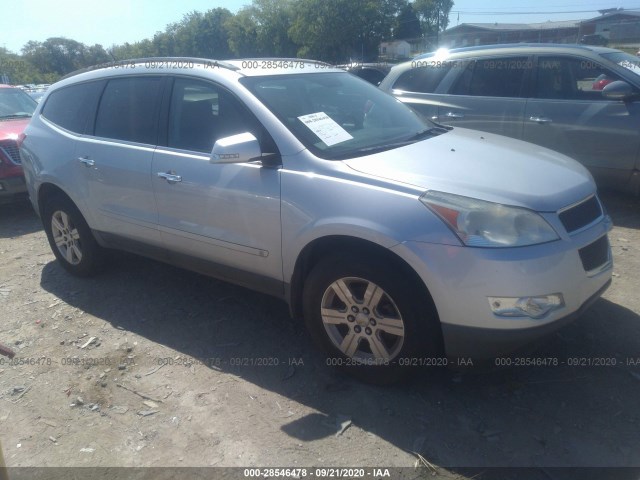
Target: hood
<point x="484" y="166"/>
<point x="10" y="129"/>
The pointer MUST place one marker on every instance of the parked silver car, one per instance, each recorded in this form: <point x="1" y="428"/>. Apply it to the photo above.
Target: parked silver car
<point x="397" y="241"/>
<point x="579" y="100"/>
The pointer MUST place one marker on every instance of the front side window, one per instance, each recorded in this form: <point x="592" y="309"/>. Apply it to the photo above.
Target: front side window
<point x="201" y="113"/>
<point x="337" y="115"/>
<point x="422" y="79"/>
<point x="568" y="78"/>
<point x="70" y="107"/>
<point x="493" y="77"/>
<point x="129" y="110"/>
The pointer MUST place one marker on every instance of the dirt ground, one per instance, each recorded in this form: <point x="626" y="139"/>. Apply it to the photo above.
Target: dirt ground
<point x="148" y="365"/>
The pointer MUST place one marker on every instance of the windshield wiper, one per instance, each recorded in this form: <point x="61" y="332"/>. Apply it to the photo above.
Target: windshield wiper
<point x="427" y="132"/>
<point x="20" y="115"/>
<point x="369" y="150"/>
<point x="431" y="131"/>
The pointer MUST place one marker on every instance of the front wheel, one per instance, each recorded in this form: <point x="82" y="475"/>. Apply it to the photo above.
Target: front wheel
<point x="369" y="317"/>
<point x="70" y="237"/>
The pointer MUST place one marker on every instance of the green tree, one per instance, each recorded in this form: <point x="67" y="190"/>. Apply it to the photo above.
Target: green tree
<point x="20" y="70"/>
<point x="273" y="19"/>
<point x="407" y="24"/>
<point x="433" y="14"/>
<point x="198" y="35"/>
<point x="142" y="49"/>
<point x="337" y="30"/>
<point x="59" y="56"/>
<point x="242" y="29"/>
<point x="95" y="55"/>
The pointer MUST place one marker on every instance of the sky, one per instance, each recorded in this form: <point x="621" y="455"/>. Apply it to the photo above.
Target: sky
<point x="109" y="22"/>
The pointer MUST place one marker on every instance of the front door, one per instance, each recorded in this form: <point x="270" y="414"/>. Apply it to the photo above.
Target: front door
<point x="222" y="219"/>
<point x="569" y="114"/>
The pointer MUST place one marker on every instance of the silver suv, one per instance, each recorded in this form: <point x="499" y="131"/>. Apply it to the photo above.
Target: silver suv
<point x="398" y="241"/>
<point x="579" y="100"/>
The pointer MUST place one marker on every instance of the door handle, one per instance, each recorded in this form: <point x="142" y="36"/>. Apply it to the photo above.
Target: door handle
<point x="540" y="119"/>
<point x="454" y="115"/>
<point x="87" y="161"/>
<point x="170" y="177"/>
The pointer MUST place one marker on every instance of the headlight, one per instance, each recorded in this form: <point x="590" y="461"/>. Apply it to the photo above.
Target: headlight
<point x="485" y="224"/>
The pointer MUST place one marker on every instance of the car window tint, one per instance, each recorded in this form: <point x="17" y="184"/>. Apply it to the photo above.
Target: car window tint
<point x="201" y="113"/>
<point x="422" y="79"/>
<point x="370" y="75"/>
<point x="493" y="77"/>
<point x="128" y="109"/>
<point x="14" y="101"/>
<point x="566" y="78"/>
<point x="70" y="107"/>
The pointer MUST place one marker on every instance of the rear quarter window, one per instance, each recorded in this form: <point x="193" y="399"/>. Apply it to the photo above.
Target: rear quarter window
<point x="70" y="107"/>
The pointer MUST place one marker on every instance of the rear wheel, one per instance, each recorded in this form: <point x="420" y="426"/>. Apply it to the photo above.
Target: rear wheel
<point x="70" y="237"/>
<point x="369" y="318"/>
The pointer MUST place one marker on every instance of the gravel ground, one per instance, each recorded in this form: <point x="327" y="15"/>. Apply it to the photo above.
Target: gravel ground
<point x="148" y="365"/>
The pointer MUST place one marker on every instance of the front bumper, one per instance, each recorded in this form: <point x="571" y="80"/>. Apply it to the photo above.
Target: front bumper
<point x="484" y="343"/>
<point x="12" y="188"/>
<point x="461" y="279"/>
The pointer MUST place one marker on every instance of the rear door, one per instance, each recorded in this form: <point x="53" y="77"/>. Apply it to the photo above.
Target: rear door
<point x="116" y="159"/>
<point x="487" y="94"/>
<point x="214" y="218"/>
<point x="569" y="114"/>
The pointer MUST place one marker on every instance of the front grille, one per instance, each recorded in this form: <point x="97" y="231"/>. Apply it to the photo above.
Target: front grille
<point x="581" y="215"/>
<point x="10" y="150"/>
<point x="595" y="254"/>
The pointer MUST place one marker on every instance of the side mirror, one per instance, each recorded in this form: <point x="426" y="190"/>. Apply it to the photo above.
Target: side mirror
<point x="618" y="90"/>
<point x="240" y="148"/>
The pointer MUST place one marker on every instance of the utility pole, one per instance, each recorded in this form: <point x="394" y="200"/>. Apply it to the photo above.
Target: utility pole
<point x="437" y="24"/>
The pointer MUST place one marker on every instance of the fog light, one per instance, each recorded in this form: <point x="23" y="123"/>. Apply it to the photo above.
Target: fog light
<point x="532" y="307"/>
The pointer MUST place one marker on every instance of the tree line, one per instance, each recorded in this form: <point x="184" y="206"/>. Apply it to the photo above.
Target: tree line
<point x="330" y="30"/>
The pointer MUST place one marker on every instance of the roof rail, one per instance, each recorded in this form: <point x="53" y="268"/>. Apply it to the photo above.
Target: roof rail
<point x="280" y="59"/>
<point x="507" y="45"/>
<point x="129" y="61"/>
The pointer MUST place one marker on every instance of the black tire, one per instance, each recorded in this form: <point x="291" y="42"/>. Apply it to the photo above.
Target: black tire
<point x="379" y="357"/>
<point x="76" y="249"/>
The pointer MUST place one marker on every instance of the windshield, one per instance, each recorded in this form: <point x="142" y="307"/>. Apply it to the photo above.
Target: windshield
<point x="624" y="60"/>
<point x="14" y="103"/>
<point x="336" y="115"/>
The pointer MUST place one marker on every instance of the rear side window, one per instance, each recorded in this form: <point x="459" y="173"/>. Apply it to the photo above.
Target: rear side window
<point x="70" y="107"/>
<point x="494" y="77"/>
<point x="129" y="110"/>
<point x="422" y="79"/>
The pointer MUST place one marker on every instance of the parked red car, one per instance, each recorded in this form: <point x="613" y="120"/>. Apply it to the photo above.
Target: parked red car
<point x="16" y="108"/>
<point x="601" y="81"/>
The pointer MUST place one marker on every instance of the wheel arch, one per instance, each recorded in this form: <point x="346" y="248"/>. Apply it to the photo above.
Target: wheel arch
<point x="315" y="250"/>
<point x="46" y="191"/>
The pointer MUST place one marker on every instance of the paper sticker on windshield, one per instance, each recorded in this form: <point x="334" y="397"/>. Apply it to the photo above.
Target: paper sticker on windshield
<point x="325" y="128"/>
